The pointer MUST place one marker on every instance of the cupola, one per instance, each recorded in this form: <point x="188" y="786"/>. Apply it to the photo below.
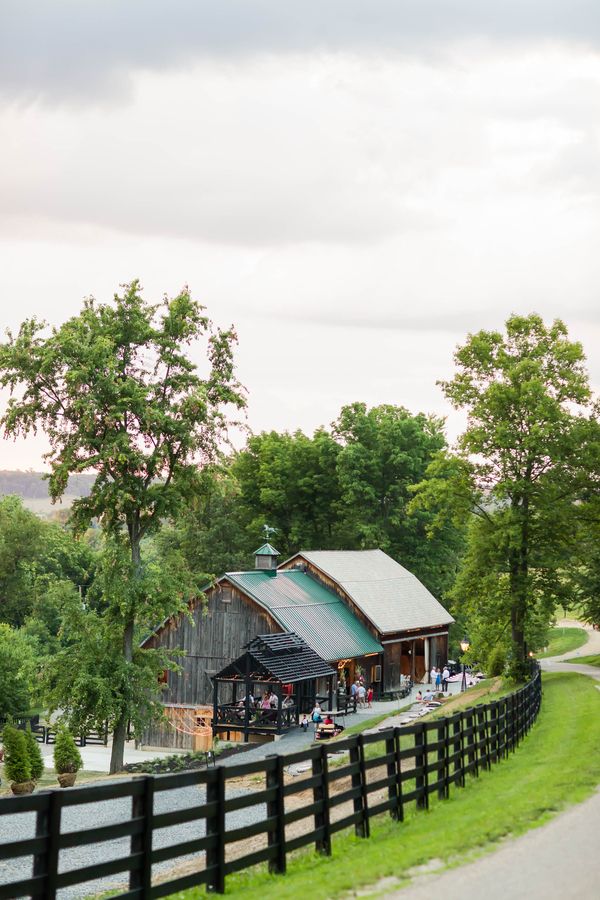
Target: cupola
<point x="266" y="557"/>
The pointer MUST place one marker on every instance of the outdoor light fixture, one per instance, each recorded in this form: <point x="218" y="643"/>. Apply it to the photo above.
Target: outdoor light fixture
<point x="464" y="646"/>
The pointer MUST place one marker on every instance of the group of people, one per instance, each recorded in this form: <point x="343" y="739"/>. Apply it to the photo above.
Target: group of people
<point x="439" y="678"/>
<point x="317" y="716"/>
<point x="362" y="694"/>
<point x="268" y="701"/>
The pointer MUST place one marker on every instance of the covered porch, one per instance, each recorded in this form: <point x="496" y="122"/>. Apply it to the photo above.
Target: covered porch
<point x="266" y="690"/>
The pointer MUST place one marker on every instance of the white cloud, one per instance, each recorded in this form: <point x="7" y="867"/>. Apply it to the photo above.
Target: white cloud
<point x="353" y="214"/>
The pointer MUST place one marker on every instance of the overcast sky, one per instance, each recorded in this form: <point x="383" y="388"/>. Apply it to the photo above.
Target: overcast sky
<point x="356" y="185"/>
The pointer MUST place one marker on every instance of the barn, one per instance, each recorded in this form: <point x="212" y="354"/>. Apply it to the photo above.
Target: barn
<point x="360" y="610"/>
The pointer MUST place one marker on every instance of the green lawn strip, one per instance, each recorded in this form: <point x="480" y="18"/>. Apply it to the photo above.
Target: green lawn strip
<point x="366" y="724"/>
<point x="556" y="765"/>
<point x="563" y="640"/>
<point x="586" y="660"/>
<point x="49" y="780"/>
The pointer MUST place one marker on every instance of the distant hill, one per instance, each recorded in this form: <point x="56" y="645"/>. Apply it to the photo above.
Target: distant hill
<point x="33" y="488"/>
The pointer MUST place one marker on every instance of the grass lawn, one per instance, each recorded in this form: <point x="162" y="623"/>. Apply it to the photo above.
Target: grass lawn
<point x="556" y="765"/>
<point x="563" y="640"/>
<point x="586" y="660"/>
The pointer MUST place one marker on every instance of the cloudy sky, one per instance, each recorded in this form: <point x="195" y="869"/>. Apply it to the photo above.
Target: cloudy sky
<point x="356" y="184"/>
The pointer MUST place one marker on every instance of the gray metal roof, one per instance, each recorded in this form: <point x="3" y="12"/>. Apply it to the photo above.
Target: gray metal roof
<point x="302" y="605"/>
<point x="390" y="596"/>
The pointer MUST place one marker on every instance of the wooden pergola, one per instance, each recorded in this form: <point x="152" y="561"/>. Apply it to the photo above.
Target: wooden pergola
<point x="283" y="664"/>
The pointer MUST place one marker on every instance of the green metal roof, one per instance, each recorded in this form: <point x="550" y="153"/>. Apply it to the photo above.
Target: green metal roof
<point x="306" y="607"/>
<point x="266" y="550"/>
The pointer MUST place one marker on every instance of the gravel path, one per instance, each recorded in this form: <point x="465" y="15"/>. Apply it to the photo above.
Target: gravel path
<point x="77" y="818"/>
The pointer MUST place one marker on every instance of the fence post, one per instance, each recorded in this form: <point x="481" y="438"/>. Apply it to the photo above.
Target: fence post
<point x="47" y="825"/>
<point x="472" y="740"/>
<point x="321" y="794"/>
<point x="276" y="809"/>
<point x="390" y="750"/>
<point x="357" y="756"/>
<point x="421" y="782"/>
<point x="142" y="807"/>
<point x="457" y="751"/>
<point x="397" y="748"/>
<point x="486" y="736"/>
<point x="442" y="756"/>
<point x="215" y="825"/>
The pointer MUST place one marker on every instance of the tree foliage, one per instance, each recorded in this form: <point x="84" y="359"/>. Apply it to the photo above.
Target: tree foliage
<point x="16" y="758"/>
<point x="344" y="488"/>
<point x="17" y="671"/>
<point x="36" y="760"/>
<point x="522" y="470"/>
<point x="116" y="392"/>
<point x="67" y="758"/>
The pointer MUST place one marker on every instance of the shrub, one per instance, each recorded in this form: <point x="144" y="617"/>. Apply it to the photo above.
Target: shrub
<point x="67" y="757"/>
<point x="36" y="760"/>
<point x="16" y="758"/>
<point x="496" y="662"/>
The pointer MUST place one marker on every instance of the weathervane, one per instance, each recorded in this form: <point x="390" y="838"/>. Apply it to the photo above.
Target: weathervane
<point x="268" y="532"/>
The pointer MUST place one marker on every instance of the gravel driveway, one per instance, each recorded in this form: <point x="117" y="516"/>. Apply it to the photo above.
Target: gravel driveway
<point x="76" y="818"/>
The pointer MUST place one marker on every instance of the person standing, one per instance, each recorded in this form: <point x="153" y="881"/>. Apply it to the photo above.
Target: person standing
<point x="432" y="675"/>
<point x="445" y="677"/>
<point x="438" y="680"/>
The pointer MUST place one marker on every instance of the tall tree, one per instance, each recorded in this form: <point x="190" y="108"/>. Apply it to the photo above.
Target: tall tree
<point x="117" y="393"/>
<point x="522" y="467"/>
<point x="290" y="482"/>
<point x="384" y="452"/>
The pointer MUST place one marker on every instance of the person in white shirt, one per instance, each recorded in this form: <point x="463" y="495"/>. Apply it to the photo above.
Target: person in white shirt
<point x="445" y="677"/>
<point x="432" y="675"/>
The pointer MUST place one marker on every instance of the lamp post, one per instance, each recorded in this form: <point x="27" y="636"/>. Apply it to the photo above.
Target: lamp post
<point x="464" y="646"/>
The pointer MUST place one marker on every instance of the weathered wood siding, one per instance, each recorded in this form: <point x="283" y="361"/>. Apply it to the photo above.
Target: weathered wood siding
<point x="215" y="637"/>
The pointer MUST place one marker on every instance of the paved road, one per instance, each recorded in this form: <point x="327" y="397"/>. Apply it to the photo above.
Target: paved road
<point x="558" y="861"/>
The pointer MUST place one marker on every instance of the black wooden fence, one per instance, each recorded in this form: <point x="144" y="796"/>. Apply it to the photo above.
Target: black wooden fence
<point x="410" y="764"/>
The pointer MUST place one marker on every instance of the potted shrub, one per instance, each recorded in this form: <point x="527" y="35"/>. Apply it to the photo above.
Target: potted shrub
<point x="16" y="761"/>
<point x="36" y="760"/>
<point x="67" y="758"/>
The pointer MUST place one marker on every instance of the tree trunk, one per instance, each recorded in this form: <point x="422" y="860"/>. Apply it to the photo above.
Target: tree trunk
<point x="519" y="573"/>
<point x="120" y="730"/>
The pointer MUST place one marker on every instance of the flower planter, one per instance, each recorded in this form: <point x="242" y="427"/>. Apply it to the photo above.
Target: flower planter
<point x="22" y="787"/>
<point x="66" y="779"/>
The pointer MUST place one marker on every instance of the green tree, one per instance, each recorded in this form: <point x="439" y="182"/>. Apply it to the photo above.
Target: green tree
<point x="36" y="760"/>
<point x="289" y="481"/>
<point x="522" y="470"/>
<point x="384" y="452"/>
<point x="117" y="393"/>
<point x="67" y="758"/>
<point x="16" y="758"/>
<point x="20" y="538"/>
<point x="17" y="671"/>
<point x="209" y="532"/>
<point x="35" y="556"/>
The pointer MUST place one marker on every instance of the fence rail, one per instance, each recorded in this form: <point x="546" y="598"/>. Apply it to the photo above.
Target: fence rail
<point x="384" y="772"/>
